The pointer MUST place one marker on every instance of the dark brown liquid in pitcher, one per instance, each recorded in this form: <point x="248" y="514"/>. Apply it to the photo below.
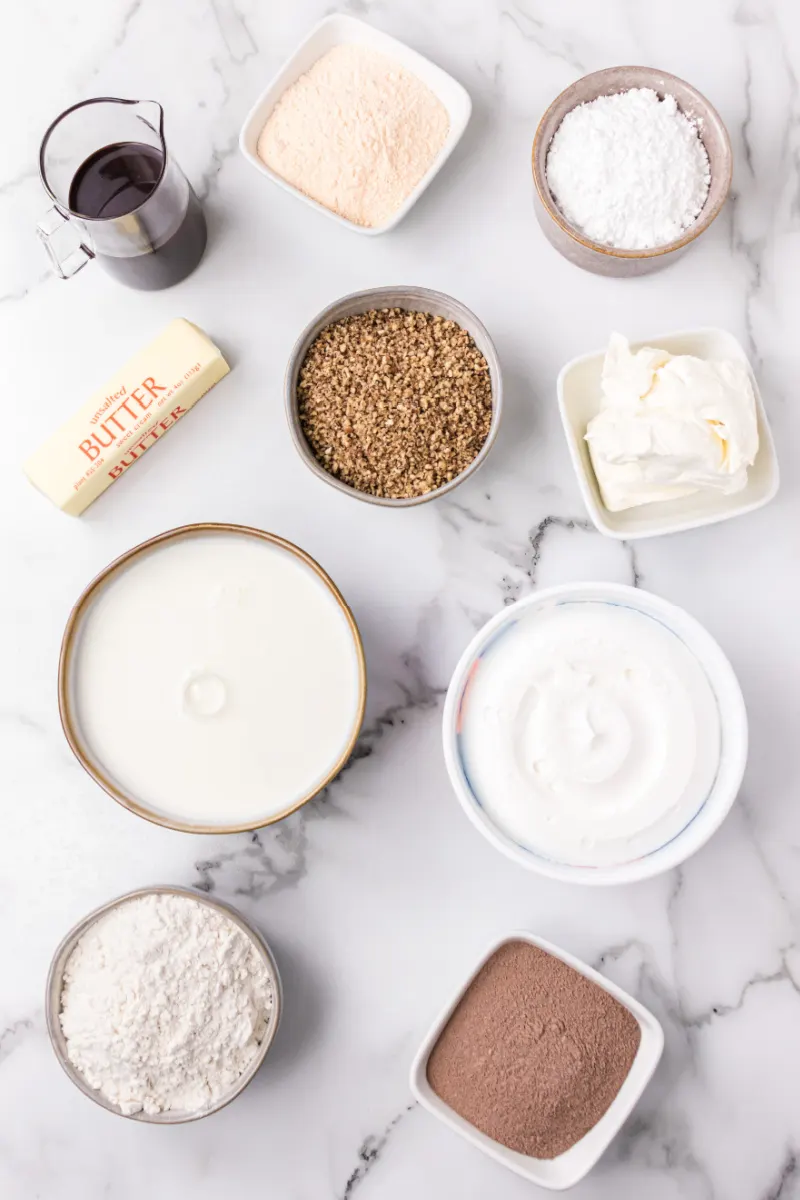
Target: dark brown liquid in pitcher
<point x="116" y="181"/>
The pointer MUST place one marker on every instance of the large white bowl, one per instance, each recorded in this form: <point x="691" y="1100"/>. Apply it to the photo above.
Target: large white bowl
<point x="336" y="30"/>
<point x="732" y="721"/>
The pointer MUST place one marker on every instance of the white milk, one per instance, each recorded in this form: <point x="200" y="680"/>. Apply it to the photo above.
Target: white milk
<point x="216" y="679"/>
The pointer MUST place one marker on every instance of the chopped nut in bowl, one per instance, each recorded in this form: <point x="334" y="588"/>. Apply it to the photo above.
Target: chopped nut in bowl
<point x="393" y="395"/>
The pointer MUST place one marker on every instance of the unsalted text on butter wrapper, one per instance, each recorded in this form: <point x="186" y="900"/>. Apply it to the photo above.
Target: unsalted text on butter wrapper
<point x="121" y="421"/>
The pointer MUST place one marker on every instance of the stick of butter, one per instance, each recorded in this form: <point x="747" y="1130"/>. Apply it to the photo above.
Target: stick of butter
<point x="126" y="417"/>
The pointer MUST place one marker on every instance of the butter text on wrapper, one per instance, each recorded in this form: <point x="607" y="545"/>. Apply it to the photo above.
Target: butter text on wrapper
<point x="126" y="417"/>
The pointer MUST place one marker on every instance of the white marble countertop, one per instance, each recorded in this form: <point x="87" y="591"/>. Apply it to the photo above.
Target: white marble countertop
<point x="378" y="898"/>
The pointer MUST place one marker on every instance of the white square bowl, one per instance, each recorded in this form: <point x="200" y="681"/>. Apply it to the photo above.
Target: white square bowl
<point x="337" y="30"/>
<point x="568" y="1168"/>
<point x="579" y="400"/>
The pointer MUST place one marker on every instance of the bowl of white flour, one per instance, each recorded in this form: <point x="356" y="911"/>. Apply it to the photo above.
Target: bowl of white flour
<point x="630" y="166"/>
<point x="162" y="1004"/>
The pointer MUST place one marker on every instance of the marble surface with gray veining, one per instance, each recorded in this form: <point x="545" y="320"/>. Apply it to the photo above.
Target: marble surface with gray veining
<point x="378" y="897"/>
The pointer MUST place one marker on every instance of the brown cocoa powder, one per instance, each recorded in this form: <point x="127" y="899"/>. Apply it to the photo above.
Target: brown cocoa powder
<point x="534" y="1053"/>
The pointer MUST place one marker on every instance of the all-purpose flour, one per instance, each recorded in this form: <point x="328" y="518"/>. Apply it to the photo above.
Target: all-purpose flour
<point x="629" y="170"/>
<point x="164" y="1005"/>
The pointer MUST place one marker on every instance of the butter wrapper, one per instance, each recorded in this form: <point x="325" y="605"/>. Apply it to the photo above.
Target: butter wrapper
<point x="122" y="420"/>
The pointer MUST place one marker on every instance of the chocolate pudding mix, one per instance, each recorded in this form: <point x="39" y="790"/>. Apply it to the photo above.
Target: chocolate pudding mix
<point x="535" y="1053"/>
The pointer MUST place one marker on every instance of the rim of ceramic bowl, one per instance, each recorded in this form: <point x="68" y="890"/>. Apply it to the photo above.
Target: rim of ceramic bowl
<point x="400" y="296"/>
<point x="733" y="729"/>
<point x="71" y="726"/>
<point x="649" y="76"/>
<point x="55" y="987"/>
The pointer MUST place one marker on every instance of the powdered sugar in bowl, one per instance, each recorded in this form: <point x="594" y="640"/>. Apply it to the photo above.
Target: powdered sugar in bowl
<point x="689" y="145"/>
<point x="162" y="1004"/>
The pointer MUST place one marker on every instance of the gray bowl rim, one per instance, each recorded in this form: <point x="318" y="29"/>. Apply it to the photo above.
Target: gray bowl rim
<point x="55" y="984"/>
<point x="704" y="219"/>
<point x="371" y="298"/>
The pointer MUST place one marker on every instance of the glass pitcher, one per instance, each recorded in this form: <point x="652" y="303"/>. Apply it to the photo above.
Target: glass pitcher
<point x="118" y="195"/>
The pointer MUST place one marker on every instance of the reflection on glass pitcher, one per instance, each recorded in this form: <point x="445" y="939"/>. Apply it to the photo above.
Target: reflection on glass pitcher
<point x="118" y="195"/>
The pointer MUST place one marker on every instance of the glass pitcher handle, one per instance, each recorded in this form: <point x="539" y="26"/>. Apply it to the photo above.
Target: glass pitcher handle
<point x="48" y="229"/>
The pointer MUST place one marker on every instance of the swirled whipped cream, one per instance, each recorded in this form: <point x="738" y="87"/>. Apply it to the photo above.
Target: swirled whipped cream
<point x="590" y="733"/>
<point x="670" y="426"/>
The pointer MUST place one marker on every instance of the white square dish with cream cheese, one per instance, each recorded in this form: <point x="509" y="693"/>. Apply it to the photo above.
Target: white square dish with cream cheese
<point x="580" y="401"/>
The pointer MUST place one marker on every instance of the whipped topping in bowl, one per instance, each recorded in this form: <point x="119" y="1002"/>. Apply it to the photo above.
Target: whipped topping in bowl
<point x="588" y="729"/>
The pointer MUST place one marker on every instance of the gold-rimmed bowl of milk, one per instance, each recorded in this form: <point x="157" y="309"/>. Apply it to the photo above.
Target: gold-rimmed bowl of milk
<point x="212" y="679"/>
<point x="595" y="733"/>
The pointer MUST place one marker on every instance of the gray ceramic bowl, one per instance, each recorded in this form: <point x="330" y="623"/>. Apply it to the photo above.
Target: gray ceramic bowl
<point x="570" y="241"/>
<point x="416" y="299"/>
<point x="55" y="983"/>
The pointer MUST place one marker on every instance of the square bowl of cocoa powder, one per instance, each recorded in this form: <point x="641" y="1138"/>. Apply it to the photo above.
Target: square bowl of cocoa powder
<point x="538" y="1060"/>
